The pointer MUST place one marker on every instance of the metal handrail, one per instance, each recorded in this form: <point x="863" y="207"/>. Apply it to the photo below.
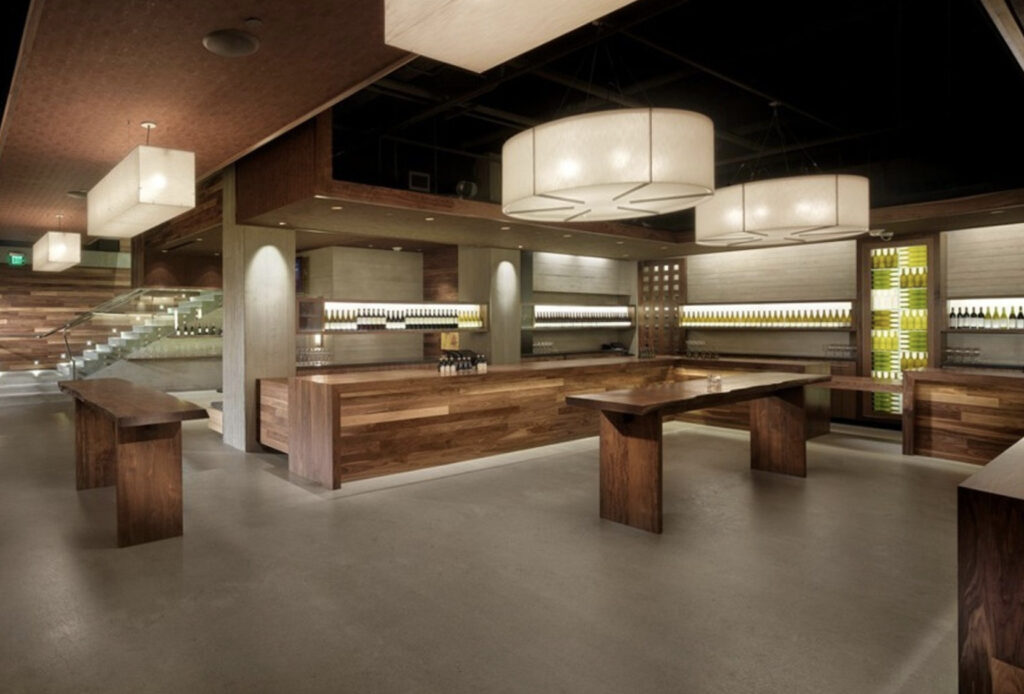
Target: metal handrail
<point x="101" y="308"/>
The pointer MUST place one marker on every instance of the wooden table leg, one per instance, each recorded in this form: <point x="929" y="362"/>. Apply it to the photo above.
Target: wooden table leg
<point x="95" y="447"/>
<point x="148" y="483"/>
<point x="631" y="469"/>
<point x="778" y="433"/>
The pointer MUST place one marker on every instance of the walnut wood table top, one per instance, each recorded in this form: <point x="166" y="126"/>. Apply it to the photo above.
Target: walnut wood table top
<point x="694" y="394"/>
<point x="131" y="405"/>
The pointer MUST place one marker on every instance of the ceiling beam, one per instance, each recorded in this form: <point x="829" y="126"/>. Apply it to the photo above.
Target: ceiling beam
<point x="1007" y="20"/>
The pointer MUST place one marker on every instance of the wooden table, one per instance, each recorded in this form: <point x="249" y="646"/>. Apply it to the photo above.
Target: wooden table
<point x="631" y="451"/>
<point x="130" y="436"/>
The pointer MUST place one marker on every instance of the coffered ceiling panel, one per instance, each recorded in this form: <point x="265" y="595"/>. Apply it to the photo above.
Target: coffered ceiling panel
<point x="90" y="72"/>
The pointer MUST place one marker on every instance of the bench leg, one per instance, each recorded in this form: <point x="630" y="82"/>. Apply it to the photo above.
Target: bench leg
<point x="631" y="469"/>
<point x="778" y="433"/>
<point x="148" y="483"/>
<point x="95" y="448"/>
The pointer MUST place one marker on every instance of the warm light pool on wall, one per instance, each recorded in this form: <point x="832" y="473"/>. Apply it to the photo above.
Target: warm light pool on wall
<point x="57" y="250"/>
<point x="617" y="164"/>
<point x="148" y="187"/>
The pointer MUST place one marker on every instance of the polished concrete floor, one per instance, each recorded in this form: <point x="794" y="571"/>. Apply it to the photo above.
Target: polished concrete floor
<point x="489" y="576"/>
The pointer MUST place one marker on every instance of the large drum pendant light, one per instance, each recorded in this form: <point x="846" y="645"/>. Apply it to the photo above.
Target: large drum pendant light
<point x="609" y="165"/>
<point x="782" y="211"/>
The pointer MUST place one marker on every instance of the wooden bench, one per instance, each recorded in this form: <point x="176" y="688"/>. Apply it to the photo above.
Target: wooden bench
<point x="631" y="450"/>
<point x="130" y="436"/>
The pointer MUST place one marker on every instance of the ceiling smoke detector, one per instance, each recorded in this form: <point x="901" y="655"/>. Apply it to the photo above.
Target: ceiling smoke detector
<point x="231" y="43"/>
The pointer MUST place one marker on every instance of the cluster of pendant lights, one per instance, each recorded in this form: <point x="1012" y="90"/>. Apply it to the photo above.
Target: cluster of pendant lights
<point x="630" y="163"/>
<point x="148" y="187"/>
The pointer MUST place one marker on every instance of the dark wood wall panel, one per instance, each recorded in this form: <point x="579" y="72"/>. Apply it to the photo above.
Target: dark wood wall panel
<point x="168" y="270"/>
<point x="972" y="421"/>
<point x="31" y="303"/>
<point x="279" y="173"/>
<point x="440" y="283"/>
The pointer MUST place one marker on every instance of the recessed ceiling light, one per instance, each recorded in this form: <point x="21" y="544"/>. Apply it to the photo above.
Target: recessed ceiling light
<point x="337" y="207"/>
<point x="231" y="43"/>
<point x="369" y="245"/>
<point x="520" y="245"/>
<point x="664" y="248"/>
<point x="620" y="242"/>
<point x="282" y="224"/>
<point x="996" y="211"/>
<point x="164" y="250"/>
<point x="505" y="228"/>
<point x="396" y="248"/>
<point x="198" y="240"/>
<point x="429" y="219"/>
<point x="566" y="236"/>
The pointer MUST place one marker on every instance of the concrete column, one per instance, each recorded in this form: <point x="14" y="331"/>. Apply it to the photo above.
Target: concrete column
<point x="259" y="317"/>
<point x="492" y="276"/>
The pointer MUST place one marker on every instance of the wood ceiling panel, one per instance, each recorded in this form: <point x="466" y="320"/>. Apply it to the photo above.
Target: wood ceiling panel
<point x="90" y="72"/>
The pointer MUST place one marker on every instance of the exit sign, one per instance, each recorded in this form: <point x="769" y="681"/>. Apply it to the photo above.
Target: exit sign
<point x="16" y="259"/>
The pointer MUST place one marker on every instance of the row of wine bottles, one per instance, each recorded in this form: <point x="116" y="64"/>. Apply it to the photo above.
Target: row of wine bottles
<point x="188" y="330"/>
<point x="597" y="317"/>
<point x="909" y="319"/>
<point x="909" y="278"/>
<point x="767" y="319"/>
<point x="365" y="319"/>
<point x="913" y="256"/>
<point x="986" y="318"/>
<point x="452" y="365"/>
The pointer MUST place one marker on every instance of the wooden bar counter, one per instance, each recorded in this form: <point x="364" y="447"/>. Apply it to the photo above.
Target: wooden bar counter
<point x="341" y="427"/>
<point x="965" y="414"/>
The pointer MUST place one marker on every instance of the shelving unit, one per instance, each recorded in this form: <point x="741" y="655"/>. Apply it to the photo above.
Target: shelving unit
<point x="578" y="317"/>
<point x="1004" y="318"/>
<point x="661" y="291"/>
<point x="900" y="315"/>
<point x="360" y="317"/>
<point x="788" y="316"/>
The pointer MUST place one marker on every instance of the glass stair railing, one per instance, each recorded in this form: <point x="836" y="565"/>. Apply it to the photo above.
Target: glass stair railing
<point x="140" y="319"/>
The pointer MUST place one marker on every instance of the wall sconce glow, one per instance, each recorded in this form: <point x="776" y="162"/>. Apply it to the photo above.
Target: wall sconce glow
<point x="148" y="187"/>
<point x="56" y="251"/>
<point x="478" y="35"/>
<point x="606" y="165"/>
<point x="784" y="211"/>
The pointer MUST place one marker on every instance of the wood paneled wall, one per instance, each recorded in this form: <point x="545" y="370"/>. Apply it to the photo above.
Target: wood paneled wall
<point x="32" y="303"/>
<point x="168" y="270"/>
<point x="985" y="262"/>
<point x="440" y="283"/>
<point x="812" y="272"/>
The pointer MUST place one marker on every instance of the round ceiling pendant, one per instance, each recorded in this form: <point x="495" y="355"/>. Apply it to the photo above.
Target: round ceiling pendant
<point x="780" y="211"/>
<point x="617" y="164"/>
<point x="231" y="43"/>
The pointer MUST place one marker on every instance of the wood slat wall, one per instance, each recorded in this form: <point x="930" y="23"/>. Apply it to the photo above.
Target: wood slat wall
<point x="963" y="416"/>
<point x="273" y="415"/>
<point x="32" y="303"/>
<point x="985" y="262"/>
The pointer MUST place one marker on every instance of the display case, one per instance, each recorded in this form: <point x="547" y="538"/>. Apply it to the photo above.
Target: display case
<point x="813" y="315"/>
<point x="578" y="317"/>
<point x="354" y="317"/>
<point x="902" y="285"/>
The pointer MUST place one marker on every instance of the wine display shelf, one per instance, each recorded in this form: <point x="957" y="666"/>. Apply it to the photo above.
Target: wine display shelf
<point x="363" y="317"/>
<point x="983" y="331"/>
<point x="818" y="316"/>
<point x="985" y="316"/>
<point x="543" y="317"/>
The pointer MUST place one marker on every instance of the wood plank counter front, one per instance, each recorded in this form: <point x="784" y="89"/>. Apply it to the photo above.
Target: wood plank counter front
<point x="350" y="426"/>
<point x="130" y="436"/>
<point x="990" y="549"/>
<point x="971" y="415"/>
<point x="631" y="451"/>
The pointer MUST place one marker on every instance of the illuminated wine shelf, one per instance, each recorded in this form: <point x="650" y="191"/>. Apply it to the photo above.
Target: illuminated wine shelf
<point x="360" y="317"/>
<point x="899" y="317"/>
<point x="992" y="316"/>
<point x="570" y="317"/>
<point x="789" y="316"/>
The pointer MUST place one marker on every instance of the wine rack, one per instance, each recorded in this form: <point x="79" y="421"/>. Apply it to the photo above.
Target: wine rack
<point x="355" y="317"/>
<point x="1002" y="315"/>
<point x="899" y="317"/>
<point x="565" y="317"/>
<point x="817" y="315"/>
<point x="662" y="286"/>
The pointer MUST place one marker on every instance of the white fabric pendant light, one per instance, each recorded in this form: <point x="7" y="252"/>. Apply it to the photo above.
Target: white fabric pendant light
<point x="56" y="251"/>
<point x="780" y="211"/>
<point x="617" y="164"/>
<point x="148" y="187"/>
<point x="477" y="35"/>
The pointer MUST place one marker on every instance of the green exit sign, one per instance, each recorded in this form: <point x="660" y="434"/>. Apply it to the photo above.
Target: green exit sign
<point x="16" y="259"/>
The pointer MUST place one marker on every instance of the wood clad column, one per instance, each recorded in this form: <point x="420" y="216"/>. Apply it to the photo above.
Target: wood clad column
<point x="259" y="317"/>
<point x="95" y="447"/>
<point x="148" y="483"/>
<point x="631" y="469"/>
<point x="778" y="430"/>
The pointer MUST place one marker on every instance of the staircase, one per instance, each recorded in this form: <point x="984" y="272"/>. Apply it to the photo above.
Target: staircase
<point x="153" y="319"/>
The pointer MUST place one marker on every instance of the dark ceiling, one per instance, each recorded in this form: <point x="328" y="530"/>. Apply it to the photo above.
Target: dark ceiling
<point x="922" y="96"/>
